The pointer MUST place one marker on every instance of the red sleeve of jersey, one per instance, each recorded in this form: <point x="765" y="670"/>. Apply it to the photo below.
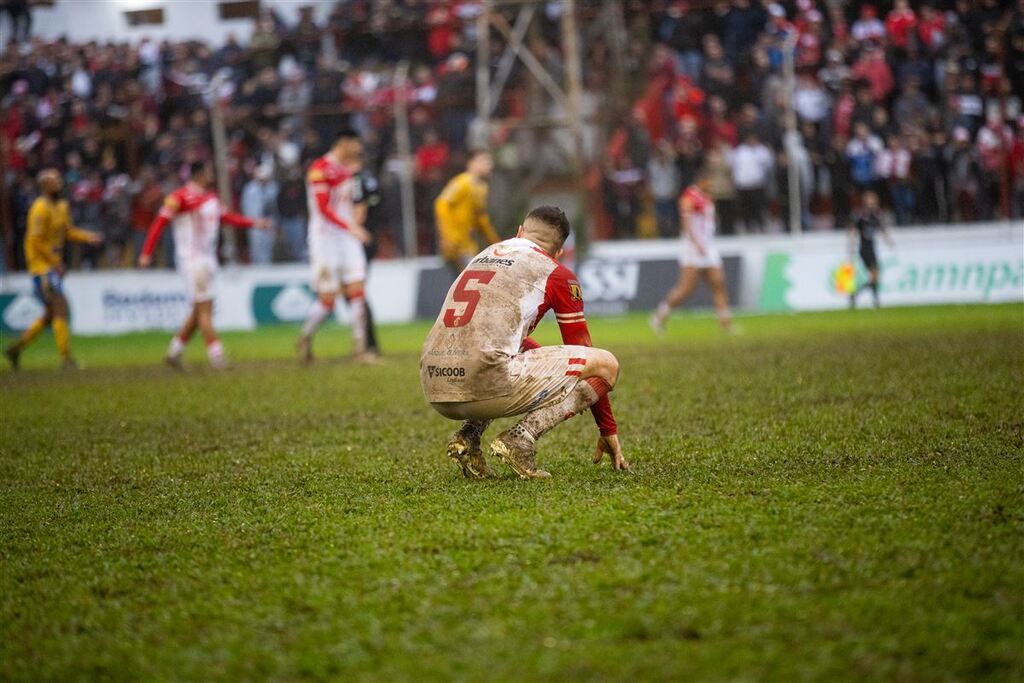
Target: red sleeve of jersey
<point x="153" y="235"/>
<point x="319" y="184"/>
<point x="172" y="204"/>
<point x="324" y="205"/>
<point x="564" y="295"/>
<point x="236" y="220"/>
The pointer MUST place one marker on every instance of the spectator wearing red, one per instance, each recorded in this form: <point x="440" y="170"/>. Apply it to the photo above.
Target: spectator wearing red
<point x="843" y="109"/>
<point x="431" y="158"/>
<point x="873" y="68"/>
<point x="687" y="101"/>
<point x="810" y="40"/>
<point x="718" y="126"/>
<point x="931" y="28"/>
<point x="900" y="24"/>
<point x="442" y="25"/>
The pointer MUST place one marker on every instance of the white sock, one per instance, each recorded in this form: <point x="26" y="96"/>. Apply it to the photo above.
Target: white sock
<point x="358" y="307"/>
<point x="663" y="310"/>
<point x="176" y="348"/>
<point x="215" y="353"/>
<point x="318" y="313"/>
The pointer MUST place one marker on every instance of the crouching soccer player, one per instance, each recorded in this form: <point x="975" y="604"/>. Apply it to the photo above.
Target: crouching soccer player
<point x="196" y="214"/>
<point x="479" y="362"/>
<point x="49" y="227"/>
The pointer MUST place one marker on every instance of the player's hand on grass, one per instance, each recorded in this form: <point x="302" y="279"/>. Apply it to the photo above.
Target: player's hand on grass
<point x="145" y="260"/>
<point x="611" y="446"/>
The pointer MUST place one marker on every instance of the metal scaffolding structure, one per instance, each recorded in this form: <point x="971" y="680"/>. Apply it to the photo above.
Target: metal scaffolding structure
<point x="562" y="92"/>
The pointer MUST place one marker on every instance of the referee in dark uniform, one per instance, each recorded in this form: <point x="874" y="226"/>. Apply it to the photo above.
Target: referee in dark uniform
<point x="367" y="200"/>
<point x="867" y="225"/>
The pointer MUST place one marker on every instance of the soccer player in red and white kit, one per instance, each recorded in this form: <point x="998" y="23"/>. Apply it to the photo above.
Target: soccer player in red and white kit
<point x="479" y="362"/>
<point x="336" y="242"/>
<point x="196" y="214"/>
<point x="699" y="256"/>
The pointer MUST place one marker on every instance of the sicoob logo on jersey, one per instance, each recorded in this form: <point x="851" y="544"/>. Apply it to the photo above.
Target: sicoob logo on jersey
<point x="575" y="291"/>
<point x="437" y="371"/>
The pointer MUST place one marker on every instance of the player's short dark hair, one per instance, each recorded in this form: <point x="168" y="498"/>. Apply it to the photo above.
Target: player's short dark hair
<point x="197" y="167"/>
<point x="346" y="134"/>
<point x="552" y="216"/>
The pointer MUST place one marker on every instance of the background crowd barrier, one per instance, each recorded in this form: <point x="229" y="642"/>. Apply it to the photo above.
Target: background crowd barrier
<point x="976" y="264"/>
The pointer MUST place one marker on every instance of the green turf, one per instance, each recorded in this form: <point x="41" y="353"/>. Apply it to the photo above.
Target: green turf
<point x="825" y="496"/>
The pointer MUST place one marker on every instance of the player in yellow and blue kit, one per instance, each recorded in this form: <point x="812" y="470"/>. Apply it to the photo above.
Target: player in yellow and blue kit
<point x="49" y="228"/>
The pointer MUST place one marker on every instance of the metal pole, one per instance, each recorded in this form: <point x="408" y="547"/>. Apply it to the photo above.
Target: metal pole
<point x="574" y="109"/>
<point x="220" y="164"/>
<point x="792" y="141"/>
<point x="408" y="195"/>
<point x="483" y="69"/>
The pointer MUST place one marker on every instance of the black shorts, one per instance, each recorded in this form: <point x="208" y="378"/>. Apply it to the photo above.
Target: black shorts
<point x="867" y="254"/>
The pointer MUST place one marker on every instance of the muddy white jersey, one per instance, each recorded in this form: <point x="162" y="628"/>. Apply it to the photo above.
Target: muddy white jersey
<point x="490" y="310"/>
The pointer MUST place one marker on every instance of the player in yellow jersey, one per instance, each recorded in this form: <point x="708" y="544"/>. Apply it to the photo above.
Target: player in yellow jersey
<point x="461" y="210"/>
<point x="49" y="227"/>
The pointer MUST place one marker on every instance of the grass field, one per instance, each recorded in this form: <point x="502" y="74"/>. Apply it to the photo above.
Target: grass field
<point x="826" y="496"/>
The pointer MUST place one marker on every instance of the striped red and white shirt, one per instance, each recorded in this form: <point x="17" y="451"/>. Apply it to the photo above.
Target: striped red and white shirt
<point x="196" y="214"/>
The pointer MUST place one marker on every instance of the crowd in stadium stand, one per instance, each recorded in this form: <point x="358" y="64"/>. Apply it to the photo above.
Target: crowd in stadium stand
<point x="921" y="102"/>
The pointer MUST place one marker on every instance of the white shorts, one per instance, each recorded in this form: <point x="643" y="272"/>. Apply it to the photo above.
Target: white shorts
<point x="200" y="278"/>
<point x="337" y="260"/>
<point x="691" y="258"/>
<point x="540" y="377"/>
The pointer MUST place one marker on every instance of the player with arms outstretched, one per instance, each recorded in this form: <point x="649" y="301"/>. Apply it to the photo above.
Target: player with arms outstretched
<point x="49" y="227"/>
<point x="461" y="210"/>
<point x="699" y="257"/>
<point x="336" y="241"/>
<point x="479" y="362"/>
<point x="196" y="214"/>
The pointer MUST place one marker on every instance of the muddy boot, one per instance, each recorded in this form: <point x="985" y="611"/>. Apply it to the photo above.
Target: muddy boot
<point x="516" y="449"/>
<point x="464" y="448"/>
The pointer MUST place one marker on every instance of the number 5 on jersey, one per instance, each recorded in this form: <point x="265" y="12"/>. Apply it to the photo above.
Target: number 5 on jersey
<point x="470" y="297"/>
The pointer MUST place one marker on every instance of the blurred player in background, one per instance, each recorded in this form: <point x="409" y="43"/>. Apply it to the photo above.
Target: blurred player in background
<point x="196" y="214"/>
<point x="49" y="228"/>
<point x="479" y="362"/>
<point x="336" y="242"/>
<point x="461" y="210"/>
<point x="699" y="257"/>
<point x="867" y="223"/>
<point x="368" y="214"/>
